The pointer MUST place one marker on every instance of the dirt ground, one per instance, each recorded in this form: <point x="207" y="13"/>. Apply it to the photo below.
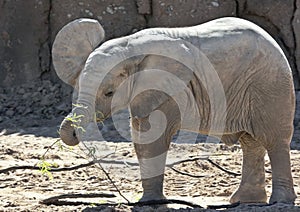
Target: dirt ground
<point x="22" y="190"/>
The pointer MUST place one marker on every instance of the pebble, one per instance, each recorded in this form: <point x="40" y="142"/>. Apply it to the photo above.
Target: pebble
<point x="21" y="91"/>
<point x="109" y="10"/>
<point x="215" y="4"/>
<point x="9" y="113"/>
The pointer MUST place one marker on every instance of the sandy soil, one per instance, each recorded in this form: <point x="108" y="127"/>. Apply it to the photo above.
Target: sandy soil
<point x="22" y="190"/>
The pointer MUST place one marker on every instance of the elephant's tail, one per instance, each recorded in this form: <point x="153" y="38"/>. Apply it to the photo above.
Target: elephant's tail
<point x="72" y="46"/>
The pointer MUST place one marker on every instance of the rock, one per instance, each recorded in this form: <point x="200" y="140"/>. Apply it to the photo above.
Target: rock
<point x="47" y="100"/>
<point x="26" y="96"/>
<point x="21" y="91"/>
<point x="296" y="28"/>
<point x="3" y="97"/>
<point x="277" y="13"/>
<point x="24" y="43"/>
<point x="9" y="113"/>
<point x="36" y="96"/>
<point x="277" y="18"/>
<point x="27" y="111"/>
<point x="20" y="109"/>
<point x="144" y="7"/>
<point x="181" y="13"/>
<point x="63" y="107"/>
<point x="113" y="13"/>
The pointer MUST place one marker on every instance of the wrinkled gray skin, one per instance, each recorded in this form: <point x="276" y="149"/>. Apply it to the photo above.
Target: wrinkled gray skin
<point x="253" y="70"/>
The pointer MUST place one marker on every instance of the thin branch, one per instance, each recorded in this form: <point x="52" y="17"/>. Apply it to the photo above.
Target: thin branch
<point x="48" y="148"/>
<point x="188" y="174"/>
<point x="226" y="206"/>
<point x="186" y="160"/>
<point x="57" y="201"/>
<point x="223" y="169"/>
<point x="166" y="201"/>
<point x="13" y="168"/>
<point x="112" y="182"/>
<point x="104" y="171"/>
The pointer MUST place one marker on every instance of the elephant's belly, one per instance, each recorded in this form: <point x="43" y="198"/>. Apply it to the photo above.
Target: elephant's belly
<point x="230" y="139"/>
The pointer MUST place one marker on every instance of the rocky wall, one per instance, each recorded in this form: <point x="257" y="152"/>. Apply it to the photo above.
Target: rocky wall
<point x="28" y="27"/>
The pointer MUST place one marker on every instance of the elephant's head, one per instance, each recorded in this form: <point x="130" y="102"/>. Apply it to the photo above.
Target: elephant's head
<point x="114" y="75"/>
<point x="71" y="47"/>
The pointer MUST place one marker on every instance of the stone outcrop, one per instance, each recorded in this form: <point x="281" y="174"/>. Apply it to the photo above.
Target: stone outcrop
<point x="28" y="28"/>
<point x="24" y="46"/>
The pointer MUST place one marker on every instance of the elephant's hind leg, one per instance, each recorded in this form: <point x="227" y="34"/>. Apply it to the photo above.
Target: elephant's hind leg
<point x="252" y="186"/>
<point x="282" y="182"/>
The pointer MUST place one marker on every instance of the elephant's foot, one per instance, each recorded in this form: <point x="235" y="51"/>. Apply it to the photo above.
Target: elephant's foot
<point x="283" y="195"/>
<point x="153" y="188"/>
<point x="151" y="196"/>
<point x="249" y="194"/>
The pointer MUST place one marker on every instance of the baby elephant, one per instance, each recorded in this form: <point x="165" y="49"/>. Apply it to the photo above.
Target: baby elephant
<point x="227" y="78"/>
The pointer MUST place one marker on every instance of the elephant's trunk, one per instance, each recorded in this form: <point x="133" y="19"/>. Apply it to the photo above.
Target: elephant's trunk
<point x="67" y="133"/>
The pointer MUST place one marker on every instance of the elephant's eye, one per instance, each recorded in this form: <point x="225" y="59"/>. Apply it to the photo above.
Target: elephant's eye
<point x="109" y="94"/>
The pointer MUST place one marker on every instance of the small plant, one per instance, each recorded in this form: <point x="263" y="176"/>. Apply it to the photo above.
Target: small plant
<point x="99" y="117"/>
<point x="45" y="168"/>
<point x="79" y="106"/>
<point x="76" y="119"/>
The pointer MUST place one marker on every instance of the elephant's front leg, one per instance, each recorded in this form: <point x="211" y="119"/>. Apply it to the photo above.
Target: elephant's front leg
<point x="151" y="146"/>
<point x="152" y="160"/>
<point x="252" y="186"/>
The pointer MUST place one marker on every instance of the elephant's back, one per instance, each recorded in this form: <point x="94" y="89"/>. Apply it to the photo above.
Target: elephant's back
<point x="227" y="40"/>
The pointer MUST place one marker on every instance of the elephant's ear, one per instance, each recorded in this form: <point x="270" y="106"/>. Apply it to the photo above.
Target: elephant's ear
<point x="72" y="46"/>
<point x="159" y="78"/>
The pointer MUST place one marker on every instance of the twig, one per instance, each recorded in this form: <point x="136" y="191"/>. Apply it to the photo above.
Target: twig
<point x="13" y="168"/>
<point x="225" y="170"/>
<point x="196" y="159"/>
<point x="48" y="148"/>
<point x="57" y="201"/>
<point x="186" y="160"/>
<point x="188" y="174"/>
<point x="233" y="205"/>
<point x="91" y="154"/>
<point x="166" y="201"/>
<point x="112" y="182"/>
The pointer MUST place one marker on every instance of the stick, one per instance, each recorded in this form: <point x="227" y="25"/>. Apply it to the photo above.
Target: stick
<point x="186" y="160"/>
<point x="188" y="174"/>
<point x="56" y="201"/>
<point x="13" y="168"/>
<point x="233" y="205"/>
<point x="223" y="169"/>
